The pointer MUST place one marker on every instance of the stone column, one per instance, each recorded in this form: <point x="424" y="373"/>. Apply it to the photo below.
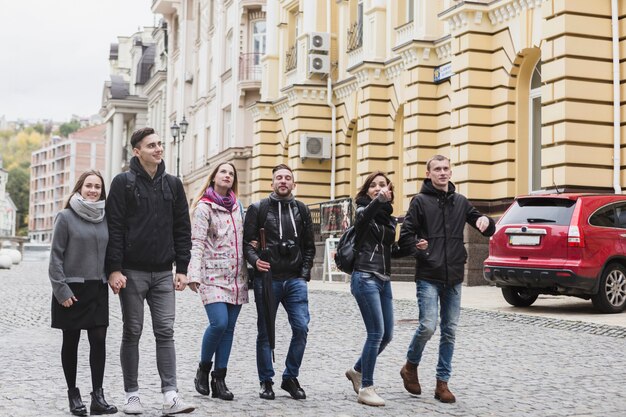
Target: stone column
<point x="108" y="150"/>
<point x="117" y="144"/>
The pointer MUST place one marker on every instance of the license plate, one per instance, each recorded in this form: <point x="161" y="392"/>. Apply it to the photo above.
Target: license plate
<point x="524" y="240"/>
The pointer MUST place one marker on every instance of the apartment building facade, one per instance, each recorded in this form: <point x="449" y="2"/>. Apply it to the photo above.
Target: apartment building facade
<point x="213" y="76"/>
<point x="124" y="106"/>
<point x="53" y="172"/>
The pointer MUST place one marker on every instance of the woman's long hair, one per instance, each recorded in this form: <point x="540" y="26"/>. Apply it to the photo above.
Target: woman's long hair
<point x="81" y="181"/>
<point x="368" y="181"/>
<point x="210" y="182"/>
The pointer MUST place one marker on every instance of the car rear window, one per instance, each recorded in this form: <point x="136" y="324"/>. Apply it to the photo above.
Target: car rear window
<point x="556" y="211"/>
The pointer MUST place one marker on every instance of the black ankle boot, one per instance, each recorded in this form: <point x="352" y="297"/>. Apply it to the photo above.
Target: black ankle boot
<point x="99" y="405"/>
<point x="267" y="392"/>
<point x="76" y="403"/>
<point x="202" y="377"/>
<point x="218" y="385"/>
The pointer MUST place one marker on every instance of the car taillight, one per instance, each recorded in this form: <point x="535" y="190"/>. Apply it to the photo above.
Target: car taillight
<point x="574" y="237"/>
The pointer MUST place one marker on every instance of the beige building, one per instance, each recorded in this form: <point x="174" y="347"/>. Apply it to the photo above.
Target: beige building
<point x="54" y="170"/>
<point x="213" y="76"/>
<point x="518" y="93"/>
<point x="522" y="95"/>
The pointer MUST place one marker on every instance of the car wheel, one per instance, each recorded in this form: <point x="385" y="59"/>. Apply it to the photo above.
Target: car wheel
<point x="519" y="296"/>
<point x="611" y="297"/>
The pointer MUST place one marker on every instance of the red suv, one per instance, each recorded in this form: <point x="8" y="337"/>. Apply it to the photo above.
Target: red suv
<point x="561" y="244"/>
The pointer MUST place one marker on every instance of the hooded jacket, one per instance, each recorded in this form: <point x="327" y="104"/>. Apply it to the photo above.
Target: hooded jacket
<point x="149" y="226"/>
<point x="439" y="217"/>
<point x="295" y="258"/>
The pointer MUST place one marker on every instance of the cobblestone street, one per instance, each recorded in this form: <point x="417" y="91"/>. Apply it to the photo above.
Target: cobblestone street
<point x="504" y="364"/>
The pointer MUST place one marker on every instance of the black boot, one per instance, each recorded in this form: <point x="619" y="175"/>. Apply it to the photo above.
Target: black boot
<point x="218" y="385"/>
<point x="267" y="392"/>
<point x="99" y="405"/>
<point x="76" y="403"/>
<point x="202" y="377"/>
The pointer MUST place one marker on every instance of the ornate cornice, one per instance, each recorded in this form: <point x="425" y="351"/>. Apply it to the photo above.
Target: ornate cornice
<point x="464" y="13"/>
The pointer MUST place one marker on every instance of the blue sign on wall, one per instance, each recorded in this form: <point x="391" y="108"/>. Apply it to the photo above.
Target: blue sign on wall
<point x="442" y="73"/>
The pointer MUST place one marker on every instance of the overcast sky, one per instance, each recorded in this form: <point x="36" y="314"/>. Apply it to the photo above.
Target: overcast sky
<point x="54" y="53"/>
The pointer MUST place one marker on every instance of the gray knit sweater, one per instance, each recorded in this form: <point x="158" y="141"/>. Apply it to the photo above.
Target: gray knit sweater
<point x="77" y="252"/>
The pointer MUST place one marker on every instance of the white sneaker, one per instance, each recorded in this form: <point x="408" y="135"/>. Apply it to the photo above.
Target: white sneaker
<point x="133" y="406"/>
<point x="177" y="406"/>
<point x="355" y="378"/>
<point x="368" y="396"/>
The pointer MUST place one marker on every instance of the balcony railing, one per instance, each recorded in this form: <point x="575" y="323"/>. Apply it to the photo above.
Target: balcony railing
<point x="250" y="67"/>
<point x="355" y="36"/>
<point x="291" y="58"/>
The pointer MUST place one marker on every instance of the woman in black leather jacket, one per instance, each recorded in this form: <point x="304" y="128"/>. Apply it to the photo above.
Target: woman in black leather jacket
<point x="370" y="281"/>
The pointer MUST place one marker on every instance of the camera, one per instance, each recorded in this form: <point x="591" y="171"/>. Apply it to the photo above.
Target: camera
<point x="288" y="248"/>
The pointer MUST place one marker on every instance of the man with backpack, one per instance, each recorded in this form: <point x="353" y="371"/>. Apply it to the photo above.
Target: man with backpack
<point x="149" y="230"/>
<point x="288" y="257"/>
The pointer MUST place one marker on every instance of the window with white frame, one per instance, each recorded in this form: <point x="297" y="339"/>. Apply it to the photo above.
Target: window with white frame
<point x="534" y="169"/>
<point x="258" y="40"/>
<point x="228" y="53"/>
<point x="227" y="128"/>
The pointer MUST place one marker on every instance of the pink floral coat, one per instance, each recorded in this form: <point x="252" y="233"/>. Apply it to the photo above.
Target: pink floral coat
<point x="217" y="261"/>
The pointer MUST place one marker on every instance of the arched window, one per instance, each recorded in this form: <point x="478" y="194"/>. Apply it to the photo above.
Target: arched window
<point x="534" y="130"/>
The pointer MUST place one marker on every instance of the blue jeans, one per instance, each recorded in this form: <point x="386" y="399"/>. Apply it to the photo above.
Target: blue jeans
<point x="157" y="288"/>
<point x="429" y="295"/>
<point x="218" y="336"/>
<point x="293" y="295"/>
<point x="375" y="301"/>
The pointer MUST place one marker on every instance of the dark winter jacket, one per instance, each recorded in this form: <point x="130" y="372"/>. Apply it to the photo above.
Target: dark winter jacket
<point x="376" y="234"/>
<point x="295" y="258"/>
<point x="439" y="218"/>
<point x="149" y="226"/>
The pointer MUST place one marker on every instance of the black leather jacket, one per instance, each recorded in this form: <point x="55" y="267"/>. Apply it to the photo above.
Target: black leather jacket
<point x="376" y="232"/>
<point x="439" y="218"/>
<point x="149" y="226"/>
<point x="295" y="258"/>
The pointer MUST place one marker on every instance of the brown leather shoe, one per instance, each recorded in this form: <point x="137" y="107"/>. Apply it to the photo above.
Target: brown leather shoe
<point x="409" y="376"/>
<point x="443" y="394"/>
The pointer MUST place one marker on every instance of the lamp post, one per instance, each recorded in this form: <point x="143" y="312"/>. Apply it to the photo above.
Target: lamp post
<point x="176" y="130"/>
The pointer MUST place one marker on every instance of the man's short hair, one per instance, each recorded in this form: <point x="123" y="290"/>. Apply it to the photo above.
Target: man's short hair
<point x="139" y="134"/>
<point x="281" y="166"/>
<point x="436" y="158"/>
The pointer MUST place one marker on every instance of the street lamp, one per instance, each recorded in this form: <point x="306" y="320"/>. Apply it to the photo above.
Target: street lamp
<point x="176" y="129"/>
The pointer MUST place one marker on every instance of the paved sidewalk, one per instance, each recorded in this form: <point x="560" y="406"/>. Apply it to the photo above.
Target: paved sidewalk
<point x="490" y="298"/>
<point x="505" y="364"/>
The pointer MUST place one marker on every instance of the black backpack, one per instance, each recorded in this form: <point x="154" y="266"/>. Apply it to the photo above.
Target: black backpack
<point x="347" y="250"/>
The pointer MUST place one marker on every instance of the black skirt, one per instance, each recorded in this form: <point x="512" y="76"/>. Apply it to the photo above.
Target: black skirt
<point x="91" y="309"/>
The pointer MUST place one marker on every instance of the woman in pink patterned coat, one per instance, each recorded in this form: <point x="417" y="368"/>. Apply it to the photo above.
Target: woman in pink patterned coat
<point x="218" y="272"/>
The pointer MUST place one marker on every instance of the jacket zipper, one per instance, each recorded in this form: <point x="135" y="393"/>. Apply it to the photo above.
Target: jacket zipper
<point x="445" y="242"/>
<point x="236" y="258"/>
<point x="383" y="252"/>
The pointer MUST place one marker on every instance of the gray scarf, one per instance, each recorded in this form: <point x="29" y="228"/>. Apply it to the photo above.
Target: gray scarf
<point x="91" y="211"/>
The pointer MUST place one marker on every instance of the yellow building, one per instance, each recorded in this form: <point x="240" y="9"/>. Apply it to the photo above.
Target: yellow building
<point x="520" y="94"/>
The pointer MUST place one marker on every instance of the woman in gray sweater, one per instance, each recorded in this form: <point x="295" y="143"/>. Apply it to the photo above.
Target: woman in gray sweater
<point x="79" y="285"/>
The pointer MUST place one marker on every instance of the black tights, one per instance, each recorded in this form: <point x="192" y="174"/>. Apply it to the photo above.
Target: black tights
<point x="97" y="355"/>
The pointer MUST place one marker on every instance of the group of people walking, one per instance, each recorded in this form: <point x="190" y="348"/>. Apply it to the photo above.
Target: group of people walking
<point x="133" y="241"/>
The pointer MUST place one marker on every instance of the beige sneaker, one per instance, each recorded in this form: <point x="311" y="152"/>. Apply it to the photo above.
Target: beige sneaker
<point x="368" y="396"/>
<point x="355" y="378"/>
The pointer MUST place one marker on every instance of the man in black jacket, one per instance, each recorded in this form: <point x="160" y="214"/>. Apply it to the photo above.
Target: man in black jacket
<point x="149" y="230"/>
<point x="433" y="230"/>
<point x="289" y="258"/>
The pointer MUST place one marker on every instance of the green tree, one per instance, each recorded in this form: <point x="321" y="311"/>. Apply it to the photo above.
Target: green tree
<point x="18" y="188"/>
<point x="66" y="128"/>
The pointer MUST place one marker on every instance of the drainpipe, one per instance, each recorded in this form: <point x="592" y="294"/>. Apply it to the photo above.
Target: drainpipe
<point x="333" y="113"/>
<point x="616" y="99"/>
